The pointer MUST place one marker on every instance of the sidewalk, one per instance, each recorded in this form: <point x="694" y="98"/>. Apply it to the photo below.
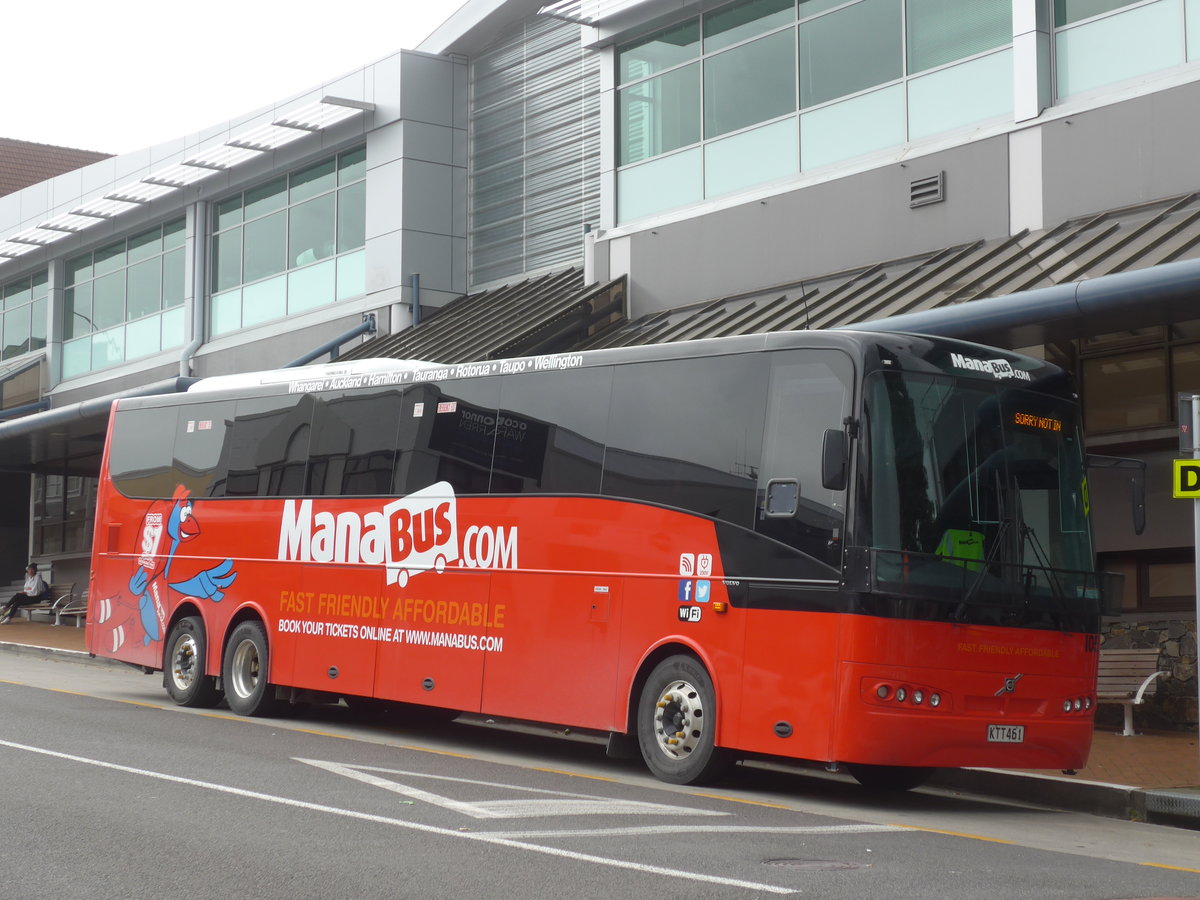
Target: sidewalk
<point x="1153" y="777"/>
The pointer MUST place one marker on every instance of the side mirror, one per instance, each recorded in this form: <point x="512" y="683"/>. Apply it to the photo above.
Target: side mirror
<point x="834" y="459"/>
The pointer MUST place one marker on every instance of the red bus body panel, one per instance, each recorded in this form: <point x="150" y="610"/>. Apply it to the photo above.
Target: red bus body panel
<point x="546" y="608"/>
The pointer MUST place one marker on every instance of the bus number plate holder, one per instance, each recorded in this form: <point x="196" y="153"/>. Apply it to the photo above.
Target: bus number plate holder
<point x="1006" y="734"/>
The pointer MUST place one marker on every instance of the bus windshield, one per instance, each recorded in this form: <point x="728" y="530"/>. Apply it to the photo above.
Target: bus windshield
<point x="976" y="498"/>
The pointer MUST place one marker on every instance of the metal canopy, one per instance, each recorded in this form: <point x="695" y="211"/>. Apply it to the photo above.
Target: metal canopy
<point x="251" y="144"/>
<point x="1025" y="270"/>
<point x="548" y="314"/>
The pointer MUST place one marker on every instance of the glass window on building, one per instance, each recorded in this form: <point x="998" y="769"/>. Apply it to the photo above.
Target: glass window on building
<point x="1068" y="11"/>
<point x="1129" y="390"/>
<point x="63" y="509"/>
<point x="761" y="90"/>
<point x="849" y="50"/>
<point x="291" y="244"/>
<point x="944" y="31"/>
<point x="23" y="316"/>
<point x="124" y="301"/>
<point x="1101" y="42"/>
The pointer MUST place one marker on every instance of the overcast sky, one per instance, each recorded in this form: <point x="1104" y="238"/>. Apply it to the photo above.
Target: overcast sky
<point x="126" y="74"/>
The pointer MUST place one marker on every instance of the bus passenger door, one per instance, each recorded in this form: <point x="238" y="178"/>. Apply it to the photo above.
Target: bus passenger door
<point x="792" y="593"/>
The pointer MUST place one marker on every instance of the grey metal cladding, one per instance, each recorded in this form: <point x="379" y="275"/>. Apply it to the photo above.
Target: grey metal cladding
<point x="534" y="151"/>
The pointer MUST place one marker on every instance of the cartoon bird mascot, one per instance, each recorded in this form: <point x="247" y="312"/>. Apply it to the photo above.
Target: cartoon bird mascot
<point x="169" y="523"/>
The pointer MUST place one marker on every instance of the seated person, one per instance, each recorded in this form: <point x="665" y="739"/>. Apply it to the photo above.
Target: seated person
<point x="35" y="591"/>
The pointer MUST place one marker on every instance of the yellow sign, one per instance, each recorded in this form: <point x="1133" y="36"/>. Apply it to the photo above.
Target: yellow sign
<point x="1187" y="479"/>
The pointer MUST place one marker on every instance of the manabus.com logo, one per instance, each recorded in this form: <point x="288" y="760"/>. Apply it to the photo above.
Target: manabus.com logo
<point x="997" y="368"/>
<point x="408" y="536"/>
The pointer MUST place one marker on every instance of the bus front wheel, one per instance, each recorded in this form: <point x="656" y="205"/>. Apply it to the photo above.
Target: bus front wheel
<point x="244" y="672"/>
<point x="677" y="721"/>
<point x="183" y="666"/>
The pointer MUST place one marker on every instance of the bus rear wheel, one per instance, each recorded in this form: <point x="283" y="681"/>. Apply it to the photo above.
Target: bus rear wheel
<point x="889" y="778"/>
<point x="183" y="666"/>
<point x="677" y="721"/>
<point x="244" y="672"/>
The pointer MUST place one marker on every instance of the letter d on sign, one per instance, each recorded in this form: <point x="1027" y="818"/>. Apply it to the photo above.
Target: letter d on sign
<point x="1186" y="483"/>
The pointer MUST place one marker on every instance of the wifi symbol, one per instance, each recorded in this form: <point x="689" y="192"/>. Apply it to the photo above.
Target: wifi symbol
<point x="687" y="563"/>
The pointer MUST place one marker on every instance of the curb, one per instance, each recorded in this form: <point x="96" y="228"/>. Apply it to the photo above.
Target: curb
<point x="57" y="653"/>
<point x="1114" y="801"/>
<point x="1177" y="807"/>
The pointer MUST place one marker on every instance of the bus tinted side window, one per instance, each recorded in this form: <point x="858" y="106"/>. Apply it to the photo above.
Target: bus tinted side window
<point x="550" y="432"/>
<point x="353" y="448"/>
<point x="688" y="433"/>
<point x="267" y="450"/>
<point x="141" y="455"/>
<point x="200" y="436"/>
<point x="447" y="432"/>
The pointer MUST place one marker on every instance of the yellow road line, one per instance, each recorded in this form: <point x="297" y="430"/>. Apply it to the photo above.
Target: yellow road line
<point x="1172" y="868"/>
<point x="572" y="774"/>
<point x="738" y="800"/>
<point x="961" y="834"/>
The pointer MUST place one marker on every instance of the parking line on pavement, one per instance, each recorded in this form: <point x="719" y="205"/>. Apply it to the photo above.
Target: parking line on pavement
<point x="481" y="837"/>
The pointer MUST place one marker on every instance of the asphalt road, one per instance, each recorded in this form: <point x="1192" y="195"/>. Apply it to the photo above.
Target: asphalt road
<point x="109" y="791"/>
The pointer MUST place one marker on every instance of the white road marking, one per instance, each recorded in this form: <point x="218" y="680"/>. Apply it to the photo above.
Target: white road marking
<point x="692" y="828"/>
<point x="412" y="826"/>
<point x="563" y="804"/>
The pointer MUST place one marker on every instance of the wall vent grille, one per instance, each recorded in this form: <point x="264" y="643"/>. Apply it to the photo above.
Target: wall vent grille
<point x="924" y="191"/>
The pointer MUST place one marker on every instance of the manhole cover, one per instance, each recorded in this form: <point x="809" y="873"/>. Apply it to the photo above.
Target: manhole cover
<point x="814" y="864"/>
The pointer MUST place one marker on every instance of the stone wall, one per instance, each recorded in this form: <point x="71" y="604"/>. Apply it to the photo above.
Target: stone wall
<point x="1173" y="704"/>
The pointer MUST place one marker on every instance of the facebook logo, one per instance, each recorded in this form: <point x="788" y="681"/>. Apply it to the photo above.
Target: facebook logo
<point x="703" y="589"/>
<point x="686" y="588"/>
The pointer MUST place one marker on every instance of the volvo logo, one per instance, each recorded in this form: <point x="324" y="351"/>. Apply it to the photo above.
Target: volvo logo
<point x="1010" y="685"/>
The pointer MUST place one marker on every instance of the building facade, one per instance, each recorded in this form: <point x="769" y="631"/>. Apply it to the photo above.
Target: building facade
<point x="728" y="162"/>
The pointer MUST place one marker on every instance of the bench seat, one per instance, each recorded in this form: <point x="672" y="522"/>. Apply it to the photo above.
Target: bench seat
<point x="1123" y="677"/>
<point x="62" y="603"/>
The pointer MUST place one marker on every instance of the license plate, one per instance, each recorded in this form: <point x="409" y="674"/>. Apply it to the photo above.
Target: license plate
<point x="1006" y="734"/>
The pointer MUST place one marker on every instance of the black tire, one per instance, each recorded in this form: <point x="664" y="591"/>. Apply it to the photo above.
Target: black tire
<point x="889" y="778"/>
<point x="244" y="672"/>
<point x="183" y="666"/>
<point x="676" y="721"/>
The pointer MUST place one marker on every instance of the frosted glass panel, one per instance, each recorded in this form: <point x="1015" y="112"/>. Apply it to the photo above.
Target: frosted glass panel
<point x="264" y="301"/>
<point x="226" y="312"/>
<point x="852" y="127"/>
<point x="1118" y="47"/>
<point x="311" y="287"/>
<point x="108" y="347"/>
<point x="1192" y="8"/>
<point x="144" y="337"/>
<point x="774" y="150"/>
<point x="172" y="328"/>
<point x="951" y="98"/>
<point x="352" y="275"/>
<point x="662" y="184"/>
<point x="77" y="357"/>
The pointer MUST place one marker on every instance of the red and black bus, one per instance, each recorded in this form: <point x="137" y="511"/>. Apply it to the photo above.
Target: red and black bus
<point x="851" y="547"/>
